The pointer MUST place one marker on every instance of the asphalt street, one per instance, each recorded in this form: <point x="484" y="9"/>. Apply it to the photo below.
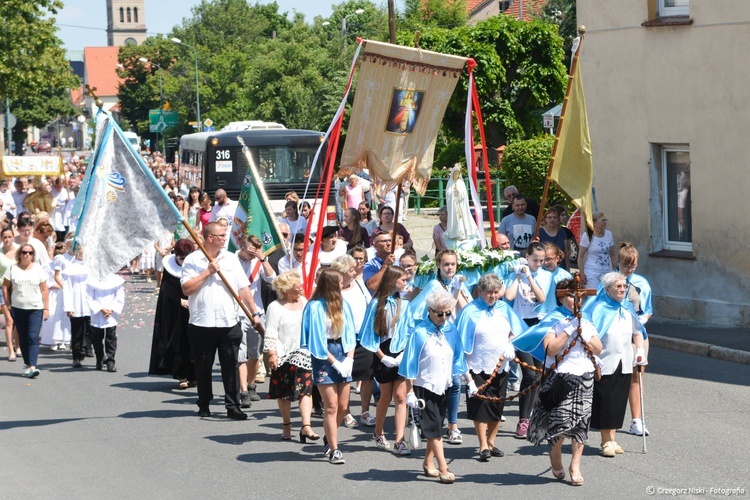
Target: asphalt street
<point x="84" y="434"/>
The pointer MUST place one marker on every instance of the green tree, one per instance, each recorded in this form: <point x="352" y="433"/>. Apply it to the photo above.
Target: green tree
<point x="31" y="56"/>
<point x="421" y="14"/>
<point x="563" y="14"/>
<point x="519" y="70"/>
<point x="525" y="165"/>
<point x="38" y="109"/>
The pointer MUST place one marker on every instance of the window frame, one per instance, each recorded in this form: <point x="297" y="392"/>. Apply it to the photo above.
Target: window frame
<point x="665" y="11"/>
<point x="660" y="202"/>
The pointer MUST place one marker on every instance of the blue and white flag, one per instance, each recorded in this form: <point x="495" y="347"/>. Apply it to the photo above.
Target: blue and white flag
<point x="120" y="206"/>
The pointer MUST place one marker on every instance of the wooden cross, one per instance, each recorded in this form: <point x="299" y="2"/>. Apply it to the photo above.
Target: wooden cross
<point x="91" y="91"/>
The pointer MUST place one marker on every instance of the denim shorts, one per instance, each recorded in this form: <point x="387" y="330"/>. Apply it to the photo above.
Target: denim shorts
<point x="324" y="372"/>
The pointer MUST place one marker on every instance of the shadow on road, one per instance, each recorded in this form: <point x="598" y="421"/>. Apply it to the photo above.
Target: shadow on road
<point x="158" y="414"/>
<point x="15" y="424"/>
<point x="690" y="366"/>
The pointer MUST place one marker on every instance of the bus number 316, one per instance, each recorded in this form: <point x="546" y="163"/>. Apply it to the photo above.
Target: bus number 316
<point x="223" y="154"/>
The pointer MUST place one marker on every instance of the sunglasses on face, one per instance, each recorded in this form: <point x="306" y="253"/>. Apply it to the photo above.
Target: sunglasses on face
<point x="441" y="314"/>
<point x="26" y="252"/>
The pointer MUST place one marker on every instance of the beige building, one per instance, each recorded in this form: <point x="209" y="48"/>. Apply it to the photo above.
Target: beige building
<point x="126" y="22"/>
<point x="666" y="85"/>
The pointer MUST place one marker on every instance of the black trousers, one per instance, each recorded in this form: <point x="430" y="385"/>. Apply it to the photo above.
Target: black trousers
<point x="104" y="341"/>
<point x="205" y="342"/>
<point x="79" y="327"/>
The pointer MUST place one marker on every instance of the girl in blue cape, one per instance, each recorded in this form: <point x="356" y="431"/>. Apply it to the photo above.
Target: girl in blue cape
<point x="433" y="358"/>
<point x="447" y="280"/>
<point x="486" y="326"/>
<point x="328" y="333"/>
<point x="638" y="294"/>
<point x="619" y="328"/>
<point x="387" y="319"/>
<point x="569" y="417"/>
<point x="527" y="290"/>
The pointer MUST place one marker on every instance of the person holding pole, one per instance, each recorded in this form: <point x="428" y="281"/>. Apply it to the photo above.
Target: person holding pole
<point x="215" y="317"/>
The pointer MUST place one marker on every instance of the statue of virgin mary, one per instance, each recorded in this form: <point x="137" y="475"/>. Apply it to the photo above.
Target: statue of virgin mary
<point x="462" y="232"/>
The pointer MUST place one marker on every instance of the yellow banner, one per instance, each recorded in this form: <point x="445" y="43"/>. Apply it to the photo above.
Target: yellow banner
<point x="13" y="166"/>
<point x="401" y="97"/>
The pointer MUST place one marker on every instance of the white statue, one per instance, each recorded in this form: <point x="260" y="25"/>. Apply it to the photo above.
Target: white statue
<point x="462" y="231"/>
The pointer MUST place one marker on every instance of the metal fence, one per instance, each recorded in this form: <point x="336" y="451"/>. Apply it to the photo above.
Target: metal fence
<point x="434" y="196"/>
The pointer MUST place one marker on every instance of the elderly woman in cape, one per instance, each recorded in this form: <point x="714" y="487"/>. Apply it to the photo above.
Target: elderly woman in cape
<point x="432" y="358"/>
<point x="486" y="326"/>
<point x="570" y="416"/>
<point x="619" y="328"/>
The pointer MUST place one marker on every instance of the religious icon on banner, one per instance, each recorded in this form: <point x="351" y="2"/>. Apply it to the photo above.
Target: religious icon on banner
<point x="405" y="105"/>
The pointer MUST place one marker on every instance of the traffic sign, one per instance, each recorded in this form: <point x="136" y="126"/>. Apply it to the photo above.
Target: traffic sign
<point x="208" y="122"/>
<point x="11" y="120"/>
<point x="161" y="119"/>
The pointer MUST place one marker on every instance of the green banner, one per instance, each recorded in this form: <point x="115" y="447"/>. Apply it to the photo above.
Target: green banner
<point x="254" y="216"/>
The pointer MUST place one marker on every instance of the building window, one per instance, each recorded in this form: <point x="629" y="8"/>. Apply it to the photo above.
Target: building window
<point x="129" y="19"/>
<point x="504" y="5"/>
<point x="130" y="41"/>
<point x="135" y="14"/>
<point x="674" y="8"/>
<point x="672" y="227"/>
<point x="122" y="15"/>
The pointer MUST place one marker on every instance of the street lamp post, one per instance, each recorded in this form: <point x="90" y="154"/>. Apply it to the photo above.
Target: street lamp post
<point x="161" y="104"/>
<point x="197" y="88"/>
<point x="343" y="23"/>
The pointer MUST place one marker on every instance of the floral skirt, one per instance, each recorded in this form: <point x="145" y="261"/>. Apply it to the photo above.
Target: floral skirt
<point x="290" y="382"/>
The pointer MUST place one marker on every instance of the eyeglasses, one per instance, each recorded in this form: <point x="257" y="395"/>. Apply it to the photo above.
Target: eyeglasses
<point x="600" y="220"/>
<point x="285" y="235"/>
<point x="26" y="252"/>
<point x="440" y="314"/>
<point x="619" y="286"/>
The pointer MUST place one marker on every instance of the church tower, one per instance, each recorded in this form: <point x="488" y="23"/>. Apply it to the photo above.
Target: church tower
<point x="126" y="22"/>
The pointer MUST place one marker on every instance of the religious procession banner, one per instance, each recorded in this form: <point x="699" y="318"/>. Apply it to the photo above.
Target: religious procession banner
<point x="253" y="215"/>
<point x="402" y="94"/>
<point x="13" y="166"/>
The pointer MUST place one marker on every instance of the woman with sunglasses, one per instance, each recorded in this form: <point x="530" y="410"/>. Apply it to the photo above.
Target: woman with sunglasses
<point x="25" y="292"/>
<point x="619" y="328"/>
<point x="448" y="280"/>
<point x="170" y="345"/>
<point x="486" y="327"/>
<point x="328" y="333"/>
<point x="387" y="315"/>
<point x="433" y="358"/>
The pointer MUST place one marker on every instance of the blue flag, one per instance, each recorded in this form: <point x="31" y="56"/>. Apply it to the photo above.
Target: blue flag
<point x="120" y="206"/>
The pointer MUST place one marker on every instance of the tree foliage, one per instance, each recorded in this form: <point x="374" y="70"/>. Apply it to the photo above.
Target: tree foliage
<point x="525" y="165"/>
<point x="32" y="59"/>
<point x="563" y="14"/>
<point x="519" y="70"/>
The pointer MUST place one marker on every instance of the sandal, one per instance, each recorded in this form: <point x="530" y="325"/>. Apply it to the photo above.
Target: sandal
<point x="575" y="480"/>
<point x="446" y="478"/>
<point x="303" y="437"/>
<point x="349" y="421"/>
<point x="287" y="436"/>
<point x="183" y="384"/>
<point x="430" y="472"/>
<point x="559" y="473"/>
<point x="12" y="358"/>
<point x="367" y="419"/>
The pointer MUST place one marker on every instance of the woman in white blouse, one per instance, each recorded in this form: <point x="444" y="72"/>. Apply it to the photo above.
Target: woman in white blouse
<point x="291" y="375"/>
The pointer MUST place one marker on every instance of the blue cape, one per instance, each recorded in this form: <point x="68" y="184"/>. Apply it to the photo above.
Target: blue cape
<point x="370" y="340"/>
<point x="471" y="314"/>
<point x="603" y="309"/>
<point x="409" y="367"/>
<point x="418" y="306"/>
<point x="313" y="336"/>
<point x="560" y="274"/>
<point x="531" y="340"/>
<point x="543" y="278"/>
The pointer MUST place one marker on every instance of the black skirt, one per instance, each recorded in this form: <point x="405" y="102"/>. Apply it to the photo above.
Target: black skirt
<point x="433" y="413"/>
<point x="382" y="373"/>
<point x="363" y="361"/>
<point x="610" y="400"/>
<point x="480" y="410"/>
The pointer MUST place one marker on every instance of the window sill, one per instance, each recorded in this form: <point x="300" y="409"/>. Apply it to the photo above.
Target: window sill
<point x="673" y="254"/>
<point x="667" y="21"/>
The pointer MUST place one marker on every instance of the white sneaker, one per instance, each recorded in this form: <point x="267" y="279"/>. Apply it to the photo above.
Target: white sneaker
<point x="515" y="386"/>
<point x="381" y="442"/>
<point x="636" y="427"/>
<point x="400" y="448"/>
<point x="455" y="437"/>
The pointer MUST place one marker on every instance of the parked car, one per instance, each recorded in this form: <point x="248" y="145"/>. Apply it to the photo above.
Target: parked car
<point x="43" y="146"/>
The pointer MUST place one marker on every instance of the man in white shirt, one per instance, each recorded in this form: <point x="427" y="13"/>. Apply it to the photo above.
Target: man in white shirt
<point x="9" y="205"/>
<point x="19" y="196"/>
<point x="215" y="318"/>
<point x="224" y="207"/>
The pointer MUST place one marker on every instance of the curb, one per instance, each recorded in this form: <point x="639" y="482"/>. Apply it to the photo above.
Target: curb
<point x="701" y="349"/>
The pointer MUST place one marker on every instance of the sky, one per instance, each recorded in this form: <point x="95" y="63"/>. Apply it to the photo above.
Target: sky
<point x="90" y="17"/>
